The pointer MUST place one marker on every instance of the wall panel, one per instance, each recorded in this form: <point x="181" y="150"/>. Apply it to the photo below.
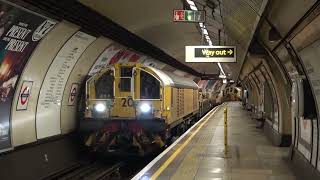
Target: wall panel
<point x="51" y="93"/>
<point x="23" y="122"/>
<point x="310" y="57"/>
<point x="68" y="107"/>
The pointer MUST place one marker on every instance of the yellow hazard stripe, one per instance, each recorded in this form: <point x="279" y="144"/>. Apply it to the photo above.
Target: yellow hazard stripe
<point x="176" y="153"/>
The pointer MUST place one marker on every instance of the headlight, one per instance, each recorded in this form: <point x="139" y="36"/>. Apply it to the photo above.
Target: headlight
<point x="100" y="107"/>
<point x="145" y="108"/>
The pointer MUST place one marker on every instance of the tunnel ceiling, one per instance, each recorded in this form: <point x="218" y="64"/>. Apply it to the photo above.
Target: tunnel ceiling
<point x="152" y="21"/>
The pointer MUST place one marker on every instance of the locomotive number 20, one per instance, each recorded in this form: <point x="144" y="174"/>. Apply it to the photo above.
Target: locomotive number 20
<point x="127" y="102"/>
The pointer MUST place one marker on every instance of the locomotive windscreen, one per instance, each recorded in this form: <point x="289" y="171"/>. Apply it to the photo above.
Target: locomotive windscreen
<point x="125" y="82"/>
<point x="149" y="87"/>
<point x="104" y="86"/>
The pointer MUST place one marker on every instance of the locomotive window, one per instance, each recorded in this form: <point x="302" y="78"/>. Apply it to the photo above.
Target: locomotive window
<point x="125" y="81"/>
<point x="149" y="86"/>
<point x="104" y="86"/>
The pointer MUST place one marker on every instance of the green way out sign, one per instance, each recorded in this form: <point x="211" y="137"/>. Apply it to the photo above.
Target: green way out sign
<point x="210" y="54"/>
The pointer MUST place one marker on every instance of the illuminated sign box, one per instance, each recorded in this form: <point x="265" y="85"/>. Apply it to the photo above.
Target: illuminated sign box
<point x="211" y="54"/>
<point x="189" y="16"/>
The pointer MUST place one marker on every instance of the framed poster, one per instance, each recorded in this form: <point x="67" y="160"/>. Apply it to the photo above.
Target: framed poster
<point x="104" y="58"/>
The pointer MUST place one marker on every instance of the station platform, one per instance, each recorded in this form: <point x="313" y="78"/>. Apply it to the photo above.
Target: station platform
<point x="200" y="154"/>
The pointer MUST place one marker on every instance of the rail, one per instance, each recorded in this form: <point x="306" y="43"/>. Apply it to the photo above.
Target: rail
<point x="93" y="171"/>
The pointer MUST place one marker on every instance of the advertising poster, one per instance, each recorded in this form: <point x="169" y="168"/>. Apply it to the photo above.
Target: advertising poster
<point x="20" y="33"/>
<point x="130" y="56"/>
<point x="126" y="55"/>
<point x="104" y="58"/>
<point x="154" y="63"/>
<point x="179" y="73"/>
<point x="24" y="95"/>
<point x="305" y="130"/>
<point x="114" y="54"/>
<point x="51" y="93"/>
<point x="200" y="83"/>
<point x="205" y="83"/>
<point x="190" y="76"/>
<point x="210" y="84"/>
<point x="217" y="86"/>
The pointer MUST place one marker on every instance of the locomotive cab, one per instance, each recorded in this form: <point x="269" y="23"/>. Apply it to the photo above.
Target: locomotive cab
<point x="132" y="105"/>
<point x="123" y="92"/>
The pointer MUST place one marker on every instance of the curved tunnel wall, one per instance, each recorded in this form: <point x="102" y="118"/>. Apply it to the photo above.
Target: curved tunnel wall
<point x="48" y="121"/>
<point x="295" y="55"/>
<point x="23" y="122"/>
<point x="309" y="53"/>
<point x="54" y="75"/>
<point x="297" y="63"/>
<point x="21" y="32"/>
<point x="75" y="81"/>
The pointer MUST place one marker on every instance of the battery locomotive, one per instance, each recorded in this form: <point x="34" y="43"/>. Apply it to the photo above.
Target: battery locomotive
<point x="133" y="108"/>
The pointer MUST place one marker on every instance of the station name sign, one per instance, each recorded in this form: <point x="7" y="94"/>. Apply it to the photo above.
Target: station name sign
<point x="211" y="54"/>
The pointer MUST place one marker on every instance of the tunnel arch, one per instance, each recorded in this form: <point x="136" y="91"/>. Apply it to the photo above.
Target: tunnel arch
<point x="293" y="55"/>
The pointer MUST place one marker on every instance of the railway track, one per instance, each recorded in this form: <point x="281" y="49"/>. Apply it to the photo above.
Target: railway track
<point x="89" y="171"/>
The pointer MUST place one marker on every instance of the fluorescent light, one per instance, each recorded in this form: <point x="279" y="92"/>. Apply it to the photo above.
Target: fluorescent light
<point x="224" y="81"/>
<point x="222" y="76"/>
<point x="221" y="69"/>
<point x="193" y="8"/>
<point x="191" y="2"/>
<point x="204" y="31"/>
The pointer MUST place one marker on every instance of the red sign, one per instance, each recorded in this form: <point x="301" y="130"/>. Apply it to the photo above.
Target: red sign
<point x="178" y="15"/>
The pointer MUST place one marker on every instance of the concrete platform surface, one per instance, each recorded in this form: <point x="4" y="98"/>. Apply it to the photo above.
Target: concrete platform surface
<point x="200" y="154"/>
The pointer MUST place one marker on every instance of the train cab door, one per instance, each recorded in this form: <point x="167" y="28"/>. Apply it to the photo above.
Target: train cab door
<point x="123" y="105"/>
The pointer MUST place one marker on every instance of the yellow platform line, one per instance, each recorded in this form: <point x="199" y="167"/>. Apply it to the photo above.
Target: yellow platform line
<point x="176" y="153"/>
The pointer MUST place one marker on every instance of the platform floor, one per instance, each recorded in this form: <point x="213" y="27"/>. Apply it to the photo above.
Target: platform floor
<point x="200" y="154"/>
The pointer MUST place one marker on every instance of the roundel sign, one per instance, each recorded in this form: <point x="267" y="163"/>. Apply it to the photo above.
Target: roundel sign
<point x="73" y="94"/>
<point x="24" y="95"/>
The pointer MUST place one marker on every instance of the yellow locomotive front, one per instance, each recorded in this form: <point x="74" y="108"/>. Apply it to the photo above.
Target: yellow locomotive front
<point x="123" y="92"/>
<point x="132" y="108"/>
<point x="124" y="108"/>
